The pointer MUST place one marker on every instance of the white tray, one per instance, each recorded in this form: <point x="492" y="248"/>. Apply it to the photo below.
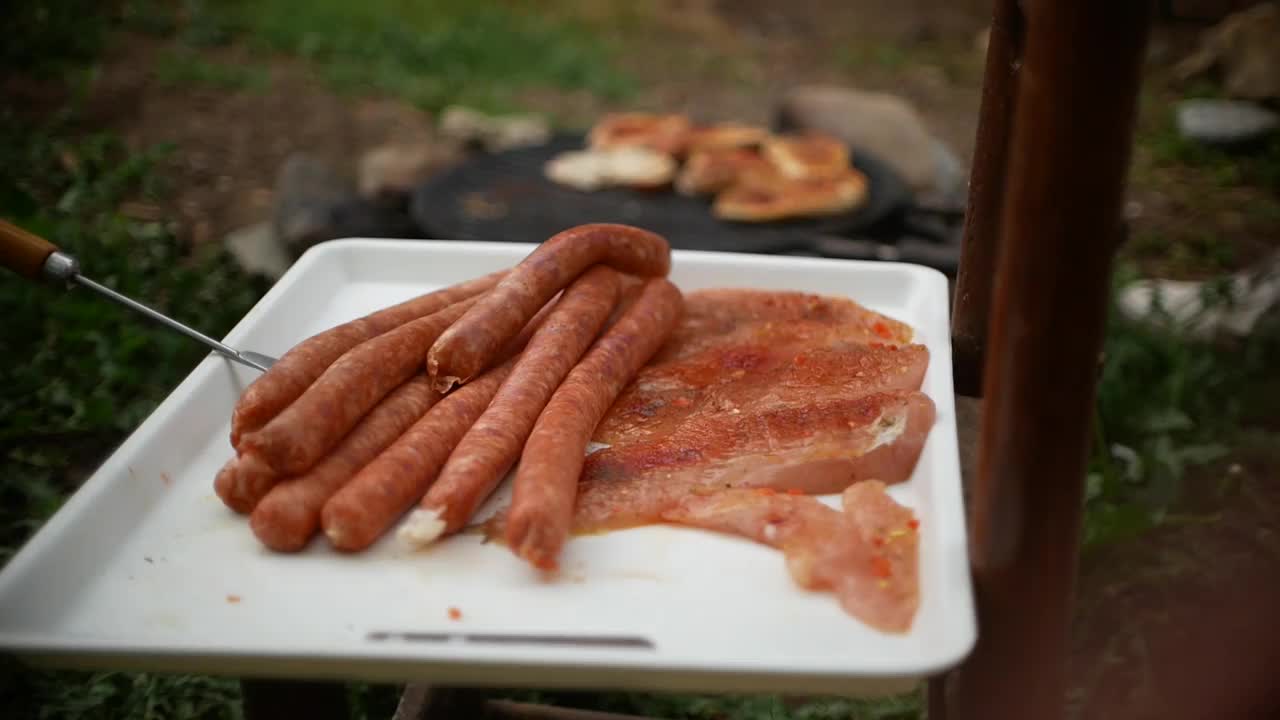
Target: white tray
<point x="143" y="567"/>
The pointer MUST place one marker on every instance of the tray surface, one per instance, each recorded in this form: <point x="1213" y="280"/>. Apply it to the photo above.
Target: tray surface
<point x="144" y="568"/>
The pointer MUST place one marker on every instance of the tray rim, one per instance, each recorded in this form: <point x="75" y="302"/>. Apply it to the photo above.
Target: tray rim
<point x="47" y="648"/>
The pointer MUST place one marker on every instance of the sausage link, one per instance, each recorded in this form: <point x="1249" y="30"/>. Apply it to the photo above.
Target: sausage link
<point x="287" y="518"/>
<point x="546" y="482"/>
<point x="302" y="433"/>
<point x="244" y="481"/>
<point x="493" y="443"/>
<point x="471" y="345"/>
<point x="389" y="485"/>
<point x="294" y="372"/>
<point x="349" y="522"/>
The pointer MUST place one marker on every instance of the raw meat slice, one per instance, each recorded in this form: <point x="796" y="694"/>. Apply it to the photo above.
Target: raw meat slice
<point x="759" y="399"/>
<point x="735" y="378"/>
<point x="721" y="316"/>
<point x="867" y="555"/>
<point x="816" y="446"/>
<point x="733" y="343"/>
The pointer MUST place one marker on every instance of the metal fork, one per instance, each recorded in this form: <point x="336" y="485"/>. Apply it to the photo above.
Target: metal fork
<point x="35" y="258"/>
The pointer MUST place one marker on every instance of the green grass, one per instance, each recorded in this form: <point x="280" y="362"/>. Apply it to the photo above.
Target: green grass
<point x="732" y="707"/>
<point x="888" y="56"/>
<point x="1166" y="405"/>
<point x="429" y="52"/>
<point x="1200" y="251"/>
<point x="862" y="56"/>
<point x="1258" y="166"/>
<point x="180" y="68"/>
<point x="1219" y="206"/>
<point x="26" y="693"/>
<point x="81" y="373"/>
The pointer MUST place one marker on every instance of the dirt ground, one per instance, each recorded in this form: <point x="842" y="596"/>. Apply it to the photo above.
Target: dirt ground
<point x="228" y="145"/>
<point x="714" y="59"/>
<point x="1177" y="626"/>
<point x="230" y="142"/>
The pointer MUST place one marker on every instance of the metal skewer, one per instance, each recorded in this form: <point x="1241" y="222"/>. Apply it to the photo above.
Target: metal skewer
<point x="36" y="258"/>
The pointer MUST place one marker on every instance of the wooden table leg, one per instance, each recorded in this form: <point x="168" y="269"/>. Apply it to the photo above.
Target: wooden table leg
<point x="976" y="275"/>
<point x="413" y="702"/>
<point x="968" y="420"/>
<point x="1068" y="158"/>
<point x="313" y="700"/>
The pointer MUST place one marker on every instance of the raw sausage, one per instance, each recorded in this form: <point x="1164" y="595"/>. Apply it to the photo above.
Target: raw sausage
<point x="546" y="482"/>
<point x="294" y="372"/>
<point x="300" y="435"/>
<point x="389" y="485"/>
<point x="471" y="344"/>
<point x="243" y="482"/>
<point x="289" y="515"/>
<point x="365" y="507"/>
<point x="493" y="443"/>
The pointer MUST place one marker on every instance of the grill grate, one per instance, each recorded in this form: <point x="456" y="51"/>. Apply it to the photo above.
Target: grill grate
<point x="504" y="197"/>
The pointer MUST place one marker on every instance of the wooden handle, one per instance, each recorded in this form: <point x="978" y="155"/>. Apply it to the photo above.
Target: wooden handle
<point x="22" y="252"/>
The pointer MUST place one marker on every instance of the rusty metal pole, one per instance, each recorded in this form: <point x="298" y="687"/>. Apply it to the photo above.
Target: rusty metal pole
<point x="976" y="275"/>
<point x="1068" y="159"/>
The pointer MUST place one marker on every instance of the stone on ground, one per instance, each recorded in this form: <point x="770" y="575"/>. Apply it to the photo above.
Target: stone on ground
<point x="493" y="132"/>
<point x="316" y="203"/>
<point x="394" y="170"/>
<point x="1225" y="122"/>
<point x="881" y="124"/>
<point x="258" y="251"/>
<point x="1244" y="52"/>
